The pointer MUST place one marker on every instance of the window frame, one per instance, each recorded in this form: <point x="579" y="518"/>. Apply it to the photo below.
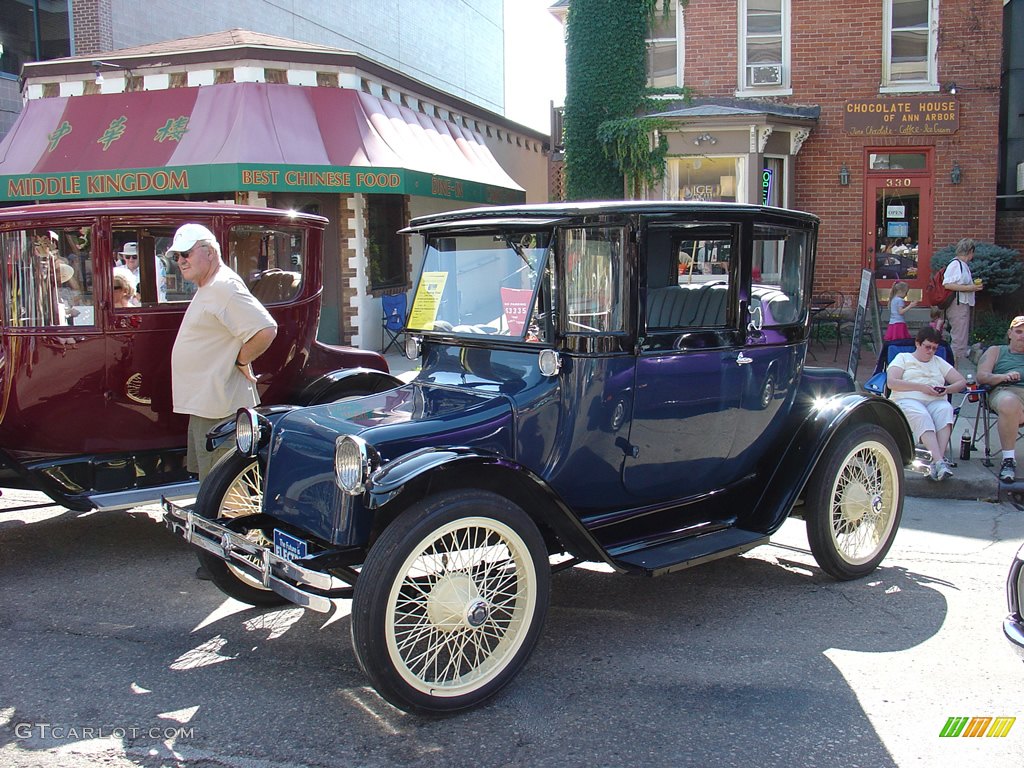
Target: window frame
<point x="931" y="83"/>
<point x="784" y="88"/>
<point x="679" y="41"/>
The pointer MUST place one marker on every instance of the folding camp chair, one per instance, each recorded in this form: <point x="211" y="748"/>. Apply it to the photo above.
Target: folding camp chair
<point x="393" y="322"/>
<point x="876" y="384"/>
<point x="985" y="421"/>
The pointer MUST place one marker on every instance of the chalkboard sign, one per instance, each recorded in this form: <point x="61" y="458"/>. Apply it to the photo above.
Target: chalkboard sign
<point x="867" y="311"/>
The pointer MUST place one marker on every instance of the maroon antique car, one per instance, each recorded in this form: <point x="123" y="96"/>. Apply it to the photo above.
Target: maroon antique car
<point x="85" y="407"/>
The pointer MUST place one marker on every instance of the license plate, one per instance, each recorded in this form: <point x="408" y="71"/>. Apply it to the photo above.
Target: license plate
<point x="287" y="546"/>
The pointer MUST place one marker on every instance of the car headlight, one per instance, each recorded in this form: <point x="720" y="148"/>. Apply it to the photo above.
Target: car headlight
<point x="247" y="431"/>
<point x="354" y="462"/>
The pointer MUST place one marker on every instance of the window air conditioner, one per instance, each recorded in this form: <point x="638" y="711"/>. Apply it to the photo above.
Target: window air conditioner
<point x="765" y="74"/>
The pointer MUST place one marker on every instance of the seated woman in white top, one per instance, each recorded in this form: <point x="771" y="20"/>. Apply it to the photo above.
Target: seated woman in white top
<point x="920" y="382"/>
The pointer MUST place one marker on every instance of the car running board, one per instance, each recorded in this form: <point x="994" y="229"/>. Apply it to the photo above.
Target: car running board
<point x="686" y="553"/>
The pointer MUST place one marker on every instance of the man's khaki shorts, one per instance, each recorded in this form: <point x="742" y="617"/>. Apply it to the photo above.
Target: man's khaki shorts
<point x="197" y="458"/>
<point x="996" y="397"/>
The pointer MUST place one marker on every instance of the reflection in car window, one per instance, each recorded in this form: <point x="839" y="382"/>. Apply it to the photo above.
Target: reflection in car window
<point x="495" y="284"/>
<point x="689" y="274"/>
<point x="780" y="258"/>
<point x="140" y="255"/>
<point x="594" y="284"/>
<point x="48" y="277"/>
<point x="271" y="260"/>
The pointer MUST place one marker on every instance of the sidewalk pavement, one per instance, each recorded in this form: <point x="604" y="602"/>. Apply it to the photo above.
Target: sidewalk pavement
<point x="971" y="480"/>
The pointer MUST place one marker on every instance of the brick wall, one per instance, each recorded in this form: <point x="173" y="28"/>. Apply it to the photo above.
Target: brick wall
<point x="348" y="272"/>
<point x="836" y="55"/>
<point x="94" y="31"/>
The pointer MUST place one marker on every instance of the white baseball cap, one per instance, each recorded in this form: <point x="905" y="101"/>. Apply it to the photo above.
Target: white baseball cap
<point x="188" y="235"/>
<point x="130" y="249"/>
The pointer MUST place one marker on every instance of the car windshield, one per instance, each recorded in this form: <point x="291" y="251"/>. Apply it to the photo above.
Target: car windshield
<point x="493" y="284"/>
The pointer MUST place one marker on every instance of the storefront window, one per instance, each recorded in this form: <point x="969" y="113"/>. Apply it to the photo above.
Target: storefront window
<point x="898" y="213"/>
<point x="897" y="161"/>
<point x="385" y="248"/>
<point x="705" y="179"/>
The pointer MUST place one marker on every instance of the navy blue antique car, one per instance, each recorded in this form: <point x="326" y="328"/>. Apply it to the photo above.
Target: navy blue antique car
<point x="614" y="382"/>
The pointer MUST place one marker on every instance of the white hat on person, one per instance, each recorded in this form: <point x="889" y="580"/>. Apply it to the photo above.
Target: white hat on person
<point x="188" y="235"/>
<point x="66" y="272"/>
<point x="130" y="249"/>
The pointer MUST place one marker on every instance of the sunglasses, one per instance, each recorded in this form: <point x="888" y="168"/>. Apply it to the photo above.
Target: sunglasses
<point x="131" y="258"/>
<point x="179" y="255"/>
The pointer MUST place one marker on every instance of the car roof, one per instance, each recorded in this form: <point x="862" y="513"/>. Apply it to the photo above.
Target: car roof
<point x="151" y="207"/>
<point x="548" y="213"/>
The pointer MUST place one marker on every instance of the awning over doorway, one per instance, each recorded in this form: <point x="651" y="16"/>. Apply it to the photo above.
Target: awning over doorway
<point x="242" y="136"/>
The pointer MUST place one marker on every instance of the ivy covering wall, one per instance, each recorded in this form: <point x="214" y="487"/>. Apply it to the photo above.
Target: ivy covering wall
<point x="608" y="139"/>
<point x="605" y="62"/>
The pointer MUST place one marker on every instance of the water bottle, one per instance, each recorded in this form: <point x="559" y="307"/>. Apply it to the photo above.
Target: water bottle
<point x="965" y="446"/>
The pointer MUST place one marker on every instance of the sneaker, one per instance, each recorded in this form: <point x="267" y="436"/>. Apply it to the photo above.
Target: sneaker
<point x="933" y="471"/>
<point x="944" y="470"/>
<point x="1007" y="472"/>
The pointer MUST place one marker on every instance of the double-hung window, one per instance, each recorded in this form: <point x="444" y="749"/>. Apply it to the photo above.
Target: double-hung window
<point x="764" y="47"/>
<point x="665" y="47"/>
<point x="909" y="44"/>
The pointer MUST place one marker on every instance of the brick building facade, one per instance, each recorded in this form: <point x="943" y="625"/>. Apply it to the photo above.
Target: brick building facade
<point x="948" y="179"/>
<point x="879" y="116"/>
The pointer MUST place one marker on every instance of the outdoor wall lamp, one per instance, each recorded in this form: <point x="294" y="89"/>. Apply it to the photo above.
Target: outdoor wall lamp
<point x="96" y="65"/>
<point x="844" y="176"/>
<point x="705" y="137"/>
<point x="952" y="89"/>
<point x="955" y="174"/>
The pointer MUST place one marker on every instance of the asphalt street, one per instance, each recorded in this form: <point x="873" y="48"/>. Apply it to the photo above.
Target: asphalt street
<point x="115" y="655"/>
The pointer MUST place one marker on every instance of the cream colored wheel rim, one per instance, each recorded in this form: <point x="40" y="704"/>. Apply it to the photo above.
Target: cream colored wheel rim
<point x="461" y="606"/>
<point x="863" y="502"/>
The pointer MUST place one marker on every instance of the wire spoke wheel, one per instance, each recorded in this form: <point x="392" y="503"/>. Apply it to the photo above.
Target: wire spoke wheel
<point x="855" y="502"/>
<point x="232" y="490"/>
<point x="449" y="605"/>
<point x="457" y="613"/>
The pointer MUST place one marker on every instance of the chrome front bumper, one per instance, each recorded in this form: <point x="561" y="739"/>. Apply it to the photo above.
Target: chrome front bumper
<point x="305" y="587"/>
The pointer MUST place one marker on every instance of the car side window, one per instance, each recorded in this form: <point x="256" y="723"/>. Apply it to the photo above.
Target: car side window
<point x="690" y="273"/>
<point x="48" y="277"/>
<point x="778" y="274"/>
<point x="271" y="260"/>
<point x="594" y="282"/>
<point x="141" y="258"/>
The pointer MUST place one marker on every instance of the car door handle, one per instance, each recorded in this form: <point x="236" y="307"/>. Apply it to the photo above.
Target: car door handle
<point x="743" y="359"/>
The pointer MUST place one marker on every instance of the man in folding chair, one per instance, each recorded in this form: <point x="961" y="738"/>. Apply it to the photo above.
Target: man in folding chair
<point x="919" y="382"/>
<point x="1000" y="368"/>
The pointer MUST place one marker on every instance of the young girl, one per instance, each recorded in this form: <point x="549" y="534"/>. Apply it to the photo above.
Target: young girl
<point x="898" y="304"/>
<point x="938" y="321"/>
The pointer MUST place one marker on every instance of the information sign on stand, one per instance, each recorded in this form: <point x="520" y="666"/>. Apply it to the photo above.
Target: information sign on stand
<point x="867" y="302"/>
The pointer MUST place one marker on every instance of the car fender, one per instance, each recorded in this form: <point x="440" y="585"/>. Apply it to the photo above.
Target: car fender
<point x="336" y="384"/>
<point x="389" y="481"/>
<point x="327" y="388"/>
<point x="226" y="429"/>
<point x="825" y="421"/>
